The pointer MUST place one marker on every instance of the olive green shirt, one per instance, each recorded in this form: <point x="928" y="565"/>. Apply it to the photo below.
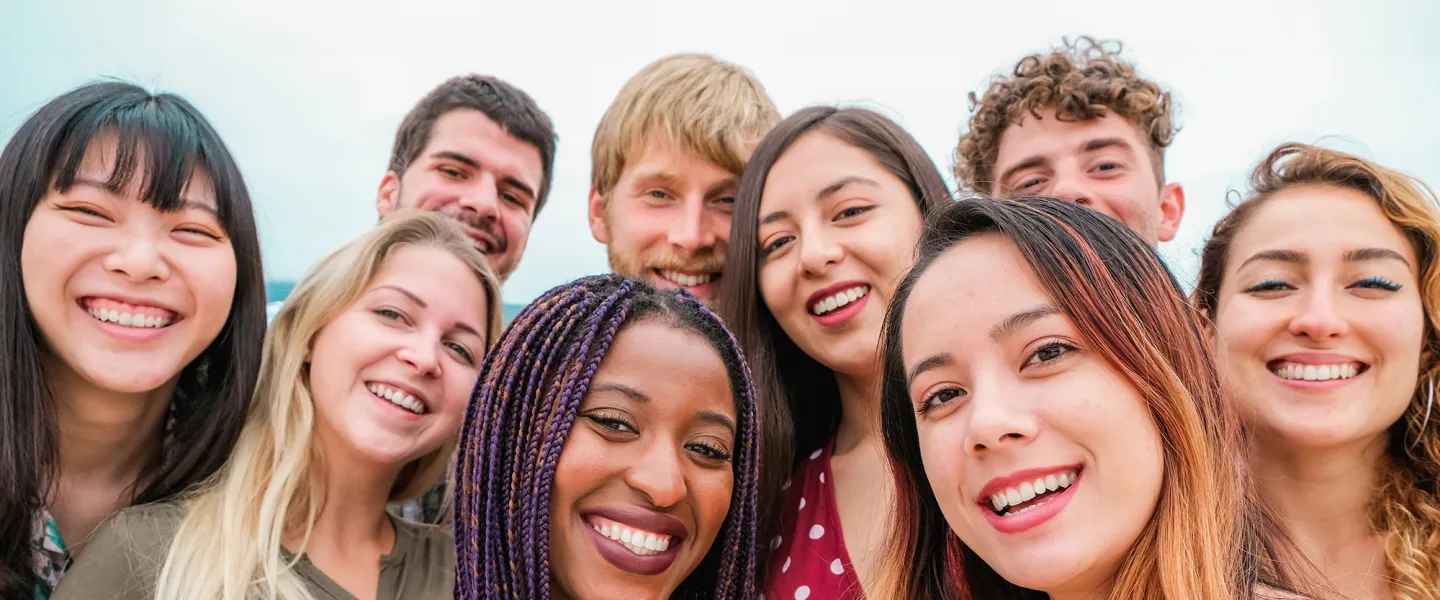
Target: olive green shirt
<point x="123" y="560"/>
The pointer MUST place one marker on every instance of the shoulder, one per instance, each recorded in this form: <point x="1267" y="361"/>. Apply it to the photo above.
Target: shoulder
<point x="123" y="558"/>
<point x="426" y="554"/>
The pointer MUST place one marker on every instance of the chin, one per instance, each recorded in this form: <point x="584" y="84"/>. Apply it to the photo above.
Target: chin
<point x="1046" y="571"/>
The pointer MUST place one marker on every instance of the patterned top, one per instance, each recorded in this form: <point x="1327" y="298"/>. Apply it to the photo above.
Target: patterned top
<point x="51" y="557"/>
<point x="810" y="560"/>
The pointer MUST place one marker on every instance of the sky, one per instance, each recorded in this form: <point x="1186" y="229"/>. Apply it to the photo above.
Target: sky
<point x="308" y="94"/>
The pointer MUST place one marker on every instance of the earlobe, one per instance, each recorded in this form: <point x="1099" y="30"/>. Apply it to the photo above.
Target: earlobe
<point x="598" y="228"/>
<point x="1172" y="209"/>
<point x="387" y="198"/>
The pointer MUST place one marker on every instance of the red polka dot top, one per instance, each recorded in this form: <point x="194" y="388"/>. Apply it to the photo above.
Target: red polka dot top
<point x="808" y="559"/>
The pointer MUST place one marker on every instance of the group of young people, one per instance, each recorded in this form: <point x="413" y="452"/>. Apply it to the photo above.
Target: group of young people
<point x="815" y="372"/>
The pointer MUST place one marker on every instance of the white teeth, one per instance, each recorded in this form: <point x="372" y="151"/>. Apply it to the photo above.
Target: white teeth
<point x="1029" y="490"/>
<point x="643" y="543"/>
<point x="137" y="320"/>
<point x="687" y="280"/>
<point x="840" y="299"/>
<point x="398" y="398"/>
<point x="1296" y="371"/>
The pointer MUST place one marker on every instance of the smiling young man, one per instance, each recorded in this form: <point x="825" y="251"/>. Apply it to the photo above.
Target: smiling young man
<point x="481" y="152"/>
<point x="1079" y="124"/>
<point x="666" y="164"/>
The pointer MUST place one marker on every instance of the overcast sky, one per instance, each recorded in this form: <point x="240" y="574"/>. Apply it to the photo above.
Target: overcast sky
<point x="308" y="94"/>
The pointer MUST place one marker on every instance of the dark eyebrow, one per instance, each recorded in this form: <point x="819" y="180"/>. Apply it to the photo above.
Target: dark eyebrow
<point x="1019" y="320"/>
<point x="1365" y="254"/>
<point x="185" y="203"/>
<point x="825" y="192"/>
<point x="1103" y="143"/>
<point x="709" y="416"/>
<point x="1285" y="256"/>
<point x="934" y="362"/>
<point x="624" y="390"/>
<point x="1033" y="161"/>
<point x="473" y="164"/>
<point x="466" y="327"/>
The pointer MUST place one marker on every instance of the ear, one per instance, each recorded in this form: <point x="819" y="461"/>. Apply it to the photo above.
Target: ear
<point x="598" y="227"/>
<point x="1172" y="208"/>
<point x="387" y="198"/>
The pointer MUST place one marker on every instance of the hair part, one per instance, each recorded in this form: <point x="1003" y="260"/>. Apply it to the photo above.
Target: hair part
<point x="1210" y="536"/>
<point x="508" y="106"/>
<point x="230" y="542"/>
<point x="693" y="102"/>
<point x="1406" y="506"/>
<point x="790" y="382"/>
<point x="1081" y="81"/>
<point x="531" y="386"/>
<point x="161" y="142"/>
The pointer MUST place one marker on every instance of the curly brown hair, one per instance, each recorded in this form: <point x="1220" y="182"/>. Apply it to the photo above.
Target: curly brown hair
<point x="1081" y="80"/>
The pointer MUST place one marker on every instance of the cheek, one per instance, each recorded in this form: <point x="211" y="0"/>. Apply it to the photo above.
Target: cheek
<point x="713" y="491"/>
<point x="942" y="453"/>
<point x="584" y="466"/>
<point x="776" y="287"/>
<point x="1242" y="326"/>
<point x="212" y="275"/>
<point x="459" y="383"/>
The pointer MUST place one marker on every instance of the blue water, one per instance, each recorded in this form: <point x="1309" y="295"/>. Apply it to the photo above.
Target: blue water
<point x="276" y="291"/>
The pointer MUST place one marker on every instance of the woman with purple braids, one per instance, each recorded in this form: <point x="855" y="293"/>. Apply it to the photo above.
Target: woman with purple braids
<point x="610" y="451"/>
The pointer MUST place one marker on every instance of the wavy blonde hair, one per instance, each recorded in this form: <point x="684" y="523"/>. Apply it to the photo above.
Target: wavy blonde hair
<point x="229" y="544"/>
<point x="1406" y="506"/>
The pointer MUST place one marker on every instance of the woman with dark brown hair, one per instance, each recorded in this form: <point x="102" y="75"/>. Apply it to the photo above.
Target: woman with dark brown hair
<point x="827" y="217"/>
<point x="1325" y="296"/>
<point x="1064" y="434"/>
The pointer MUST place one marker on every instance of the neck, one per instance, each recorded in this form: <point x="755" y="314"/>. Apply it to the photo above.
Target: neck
<point x="859" y="410"/>
<point x="106" y="437"/>
<point x="352" y="517"/>
<point x="1323" y="494"/>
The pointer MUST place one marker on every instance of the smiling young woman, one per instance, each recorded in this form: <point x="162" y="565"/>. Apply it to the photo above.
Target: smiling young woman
<point x="611" y="451"/>
<point x="366" y="374"/>
<point x="1325" y="296"/>
<point x="1065" y="436"/>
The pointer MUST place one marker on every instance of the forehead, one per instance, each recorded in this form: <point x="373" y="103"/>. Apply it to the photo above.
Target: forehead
<point x="1319" y="219"/>
<point x="816" y="160"/>
<point x="438" y="278"/>
<point x="1048" y="136"/>
<point x="985" y="274"/>
<point x="102" y="154"/>
<point x="646" y="355"/>
<point x="655" y="156"/>
<point x="471" y="133"/>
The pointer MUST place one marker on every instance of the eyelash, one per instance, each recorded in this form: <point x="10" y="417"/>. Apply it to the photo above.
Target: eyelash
<point x="711" y="451"/>
<point x="613" y="424"/>
<point x="779" y="243"/>
<point x="1269" y="285"/>
<point x="1378" y="282"/>
<point x="1067" y="349"/>
<point x="1276" y="285"/>
<point x="930" y="401"/>
<point x="852" y="212"/>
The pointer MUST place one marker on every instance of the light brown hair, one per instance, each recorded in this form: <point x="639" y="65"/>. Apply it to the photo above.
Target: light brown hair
<point x="1081" y="81"/>
<point x="1406" y="507"/>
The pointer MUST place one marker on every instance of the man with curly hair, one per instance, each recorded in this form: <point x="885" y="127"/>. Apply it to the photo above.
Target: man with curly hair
<point x="1077" y="123"/>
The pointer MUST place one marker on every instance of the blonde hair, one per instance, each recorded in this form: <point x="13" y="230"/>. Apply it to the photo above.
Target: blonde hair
<point x="229" y="545"/>
<point x="1406" y="506"/>
<point x="692" y="101"/>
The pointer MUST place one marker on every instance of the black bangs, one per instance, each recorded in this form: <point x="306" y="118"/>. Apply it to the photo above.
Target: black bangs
<point x="161" y="139"/>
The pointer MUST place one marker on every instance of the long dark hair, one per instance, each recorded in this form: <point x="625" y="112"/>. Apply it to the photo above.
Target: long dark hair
<point x="788" y="381"/>
<point x="1210" y="536"/>
<point x="530" y="388"/>
<point x="214" y="390"/>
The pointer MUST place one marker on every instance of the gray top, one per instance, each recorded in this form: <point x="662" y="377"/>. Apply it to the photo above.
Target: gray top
<point x="123" y="560"/>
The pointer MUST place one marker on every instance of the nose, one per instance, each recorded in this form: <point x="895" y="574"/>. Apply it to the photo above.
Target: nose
<point x="421" y="354"/>
<point x="657" y="475"/>
<point x="139" y="259"/>
<point x="1071" y="187"/>
<point x="818" y="253"/>
<point x="998" y="421"/>
<point x="482" y="197"/>
<point x="692" y="232"/>
<point x="1319" y="318"/>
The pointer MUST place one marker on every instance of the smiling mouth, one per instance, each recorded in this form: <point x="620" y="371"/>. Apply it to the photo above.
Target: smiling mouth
<point x="838" y="300"/>
<point x="125" y="314"/>
<point x="638" y="541"/>
<point x="1030" y="495"/>
<point x="686" y="279"/>
<point x="1294" y="371"/>
<point x="397" y="397"/>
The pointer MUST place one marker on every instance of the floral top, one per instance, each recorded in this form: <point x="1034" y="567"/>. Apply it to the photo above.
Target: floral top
<point x="51" y="557"/>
